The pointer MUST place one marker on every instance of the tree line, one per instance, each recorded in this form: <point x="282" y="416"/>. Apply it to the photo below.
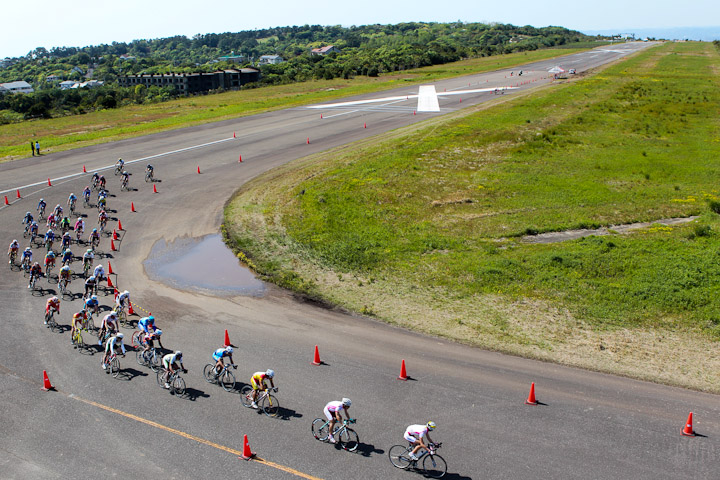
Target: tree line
<point x="364" y="50"/>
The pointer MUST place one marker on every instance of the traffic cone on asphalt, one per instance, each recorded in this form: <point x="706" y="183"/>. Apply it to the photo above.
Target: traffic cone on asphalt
<point x="6" y="201"/>
<point x="49" y="184"/>
<point x="115" y="236"/>
<point x="18" y="193"/>
<point x="321" y="116"/>
<point x="130" y="309"/>
<point x="119" y="225"/>
<point x="364" y="124"/>
<point x="240" y="159"/>
<point x="110" y="284"/>
<point x="308" y="140"/>
<point x="234" y="135"/>
<point x="116" y="290"/>
<point x="112" y="245"/>
<point x="154" y="188"/>
<point x="403" y="373"/>
<point x="316" y="358"/>
<point x="531" y="398"/>
<point x="46" y="382"/>
<point x="246" y="453"/>
<point x="227" y="338"/>
<point x="110" y="269"/>
<point x="84" y="171"/>
<point x="198" y="169"/>
<point x="132" y="208"/>
<point x="688" y="430"/>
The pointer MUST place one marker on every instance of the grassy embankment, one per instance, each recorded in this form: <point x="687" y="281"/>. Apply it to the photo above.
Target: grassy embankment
<point x="422" y="228"/>
<point x="107" y="125"/>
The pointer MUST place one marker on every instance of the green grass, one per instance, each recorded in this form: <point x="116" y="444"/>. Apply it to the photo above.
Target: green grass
<point x="107" y="125"/>
<point x="429" y="222"/>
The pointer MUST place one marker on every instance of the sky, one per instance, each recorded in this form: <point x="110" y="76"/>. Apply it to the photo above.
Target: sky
<point x="52" y="23"/>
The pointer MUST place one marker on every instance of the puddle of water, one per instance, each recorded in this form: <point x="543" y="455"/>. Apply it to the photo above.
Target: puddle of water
<point x="203" y="264"/>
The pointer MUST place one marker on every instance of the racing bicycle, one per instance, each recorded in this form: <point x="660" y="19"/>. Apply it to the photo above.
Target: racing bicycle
<point x="176" y="382"/>
<point x="428" y="462"/>
<point x="112" y="365"/>
<point x="50" y="320"/>
<point x="266" y="401"/>
<point x="347" y="437"/>
<point x="225" y="378"/>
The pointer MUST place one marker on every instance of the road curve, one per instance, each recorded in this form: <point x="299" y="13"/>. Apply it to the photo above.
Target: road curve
<point x="588" y="425"/>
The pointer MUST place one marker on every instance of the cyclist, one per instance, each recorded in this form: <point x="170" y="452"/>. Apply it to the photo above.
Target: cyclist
<point x="86" y="194"/>
<point x="67" y="256"/>
<point x="125" y="179"/>
<point x="79" y="227"/>
<point x="101" y="181"/>
<point x="150" y="171"/>
<point x="64" y="275"/>
<point x="95" y="178"/>
<point x="58" y="211"/>
<point x="65" y="224"/>
<point x="102" y="202"/>
<point x="26" y="259"/>
<point x="258" y="383"/>
<point x="77" y="322"/>
<point x="49" y="237"/>
<point x="35" y="271"/>
<point x="149" y="338"/>
<point x="415" y="433"/>
<point x="123" y="299"/>
<point x="170" y="362"/>
<point x="102" y="219"/>
<point x="27" y="221"/>
<point x="34" y="227"/>
<point x="110" y="347"/>
<point x="51" y="221"/>
<point x="218" y="357"/>
<point x="146" y="324"/>
<point x="332" y="413"/>
<point x="41" y="207"/>
<point x="119" y="165"/>
<point x="66" y="240"/>
<point x="90" y="286"/>
<point x="49" y="260"/>
<point x="54" y="304"/>
<point x="94" y="237"/>
<point x="92" y="305"/>
<point x="109" y="326"/>
<point x="88" y="257"/>
<point x="13" y="250"/>
<point x="99" y="273"/>
<point x="71" y="201"/>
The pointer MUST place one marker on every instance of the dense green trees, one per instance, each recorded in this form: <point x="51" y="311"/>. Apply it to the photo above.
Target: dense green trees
<point x="365" y="50"/>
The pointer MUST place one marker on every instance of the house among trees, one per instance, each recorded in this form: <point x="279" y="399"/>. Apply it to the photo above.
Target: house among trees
<point x="270" y="60"/>
<point x="16" y="87"/>
<point x="232" y="58"/>
<point x="325" y="50"/>
<point x="187" y="83"/>
<point x="125" y="56"/>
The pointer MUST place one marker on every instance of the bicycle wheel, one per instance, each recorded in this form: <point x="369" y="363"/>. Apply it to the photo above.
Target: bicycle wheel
<point x="155" y="361"/>
<point x="159" y="377"/>
<point x="227" y="380"/>
<point x="434" y="466"/>
<point x="209" y="373"/>
<point x="115" y="367"/>
<point x="140" y="357"/>
<point x="178" y="386"/>
<point x="246" y="396"/>
<point x="349" y="440"/>
<point x="320" y="429"/>
<point x="398" y="455"/>
<point x="136" y="343"/>
<point x="270" y="405"/>
<point x="79" y="340"/>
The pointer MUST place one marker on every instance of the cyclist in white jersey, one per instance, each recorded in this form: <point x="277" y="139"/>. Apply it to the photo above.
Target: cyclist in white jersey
<point x="110" y="347"/>
<point x="332" y="412"/>
<point x="415" y="434"/>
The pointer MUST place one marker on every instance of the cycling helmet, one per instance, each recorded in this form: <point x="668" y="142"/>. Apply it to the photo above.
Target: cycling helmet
<point x="72" y="194"/>
<point x="28" y="249"/>
<point x="128" y="293"/>
<point x="125" y="173"/>
<point x="94" y="298"/>
<point x="120" y="335"/>
<point x="431" y="425"/>
<point x="65" y="267"/>
<point x="346" y="402"/>
<point x="36" y="264"/>
<point x="91" y="277"/>
<point x="229" y="349"/>
<point x="34" y="222"/>
<point x="54" y="299"/>
<point x="150" y="317"/>
<point x="42" y="200"/>
<point x="112" y="314"/>
<point x="94" y="231"/>
<point x="270" y="373"/>
<point x="119" y="159"/>
<point x="28" y="214"/>
<point x="149" y="166"/>
<point x="14" y="241"/>
<point x="178" y="354"/>
<point x="158" y="332"/>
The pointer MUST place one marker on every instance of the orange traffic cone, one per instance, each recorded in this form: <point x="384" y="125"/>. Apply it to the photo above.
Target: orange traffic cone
<point x="116" y="290"/>
<point x="364" y="124"/>
<point x="321" y="116"/>
<point x="49" y="184"/>
<point x="112" y="245"/>
<point x="46" y="382"/>
<point x="132" y="208"/>
<point x="110" y="269"/>
<point x="115" y="236"/>
<point x="403" y="373"/>
<point x="316" y="358"/>
<point x="18" y="193"/>
<point x="414" y="112"/>
<point x="154" y="188"/>
<point x="308" y="140"/>
<point x="246" y="453"/>
<point x="234" y="135"/>
<point x="110" y="284"/>
<point x="531" y="398"/>
<point x="130" y="309"/>
<point x="84" y="171"/>
<point x="198" y="169"/>
<point x="688" y="430"/>
<point x="119" y="225"/>
<point x="227" y="338"/>
<point x="240" y="159"/>
<point x="6" y="201"/>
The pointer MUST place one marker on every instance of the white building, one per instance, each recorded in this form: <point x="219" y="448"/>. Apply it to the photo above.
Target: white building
<point x="270" y="59"/>
<point x="16" y="87"/>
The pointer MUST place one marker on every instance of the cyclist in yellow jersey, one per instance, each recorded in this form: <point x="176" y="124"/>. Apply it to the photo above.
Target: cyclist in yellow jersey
<point x="258" y="383"/>
<point x="77" y="321"/>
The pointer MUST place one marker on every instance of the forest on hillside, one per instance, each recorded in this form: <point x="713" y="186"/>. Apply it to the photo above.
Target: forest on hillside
<point x="363" y="50"/>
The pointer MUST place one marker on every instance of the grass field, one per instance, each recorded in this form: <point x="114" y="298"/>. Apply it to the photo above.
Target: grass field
<point x="425" y="231"/>
<point x="107" y="125"/>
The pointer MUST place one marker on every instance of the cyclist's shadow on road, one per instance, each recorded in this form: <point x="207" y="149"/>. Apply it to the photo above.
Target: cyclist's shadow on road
<point x="128" y="374"/>
<point x="193" y="394"/>
<point x="287" y="414"/>
<point x="366" y="450"/>
<point x="456" y="476"/>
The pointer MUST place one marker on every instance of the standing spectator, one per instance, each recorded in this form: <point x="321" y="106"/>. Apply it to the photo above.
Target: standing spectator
<point x="32" y="147"/>
<point x="37" y="147"/>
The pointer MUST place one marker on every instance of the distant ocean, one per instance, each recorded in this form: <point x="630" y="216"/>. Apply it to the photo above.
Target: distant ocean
<point x="705" y="34"/>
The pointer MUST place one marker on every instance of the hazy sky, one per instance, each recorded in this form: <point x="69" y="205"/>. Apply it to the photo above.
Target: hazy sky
<point x="45" y="23"/>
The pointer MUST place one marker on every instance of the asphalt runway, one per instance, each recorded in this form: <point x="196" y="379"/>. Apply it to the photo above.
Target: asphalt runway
<point x="589" y="425"/>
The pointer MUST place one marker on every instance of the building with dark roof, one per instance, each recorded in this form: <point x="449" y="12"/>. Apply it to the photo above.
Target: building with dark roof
<point x="187" y="83"/>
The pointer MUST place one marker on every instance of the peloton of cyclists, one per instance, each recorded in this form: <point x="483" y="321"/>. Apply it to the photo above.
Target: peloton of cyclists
<point x="415" y="434"/>
<point x="218" y="355"/>
<point x="54" y="304"/>
<point x="110" y="346"/>
<point x="258" y="383"/>
<point x="170" y="362"/>
<point x="13" y="250"/>
<point x="332" y="412"/>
